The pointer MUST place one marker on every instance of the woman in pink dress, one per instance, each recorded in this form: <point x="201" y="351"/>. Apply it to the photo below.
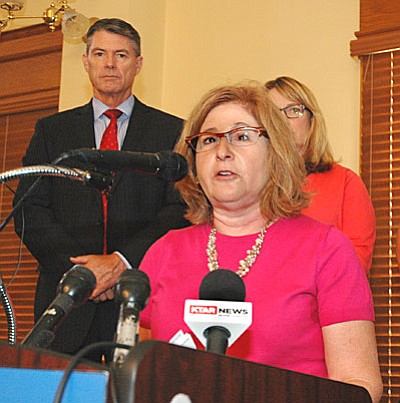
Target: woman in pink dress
<point x="312" y="305"/>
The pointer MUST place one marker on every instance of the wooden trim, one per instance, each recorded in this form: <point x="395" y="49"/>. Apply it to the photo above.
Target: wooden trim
<point x="41" y="93"/>
<point x="375" y="42"/>
<point x="41" y="40"/>
<point x="36" y="100"/>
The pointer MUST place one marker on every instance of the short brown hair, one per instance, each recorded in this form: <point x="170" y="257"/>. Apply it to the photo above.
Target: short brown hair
<point x="283" y="195"/>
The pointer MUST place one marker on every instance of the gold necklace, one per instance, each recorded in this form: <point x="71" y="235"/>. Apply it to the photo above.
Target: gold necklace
<point x="245" y="264"/>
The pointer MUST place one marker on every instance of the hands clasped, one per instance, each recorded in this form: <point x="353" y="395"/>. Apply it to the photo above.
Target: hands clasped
<point x="107" y="269"/>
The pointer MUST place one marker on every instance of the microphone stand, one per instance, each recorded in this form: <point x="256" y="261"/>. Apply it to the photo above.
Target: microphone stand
<point x="132" y="291"/>
<point x="128" y="327"/>
<point x="217" y="339"/>
<point x="99" y="181"/>
<point x="9" y="313"/>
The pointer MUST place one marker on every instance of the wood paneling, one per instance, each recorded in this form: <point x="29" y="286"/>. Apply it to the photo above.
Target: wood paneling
<point x="30" y="69"/>
<point x="379" y="15"/>
<point x="379" y="27"/>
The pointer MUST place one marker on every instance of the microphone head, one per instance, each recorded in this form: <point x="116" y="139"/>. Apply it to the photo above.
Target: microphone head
<point x="78" y="282"/>
<point x="133" y="287"/>
<point x="173" y="166"/>
<point x="222" y="285"/>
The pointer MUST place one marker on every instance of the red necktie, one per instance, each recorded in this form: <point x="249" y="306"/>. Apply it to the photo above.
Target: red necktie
<point x="109" y="141"/>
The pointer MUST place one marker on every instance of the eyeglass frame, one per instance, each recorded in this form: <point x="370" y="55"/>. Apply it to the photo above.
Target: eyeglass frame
<point x="261" y="132"/>
<point x="301" y="106"/>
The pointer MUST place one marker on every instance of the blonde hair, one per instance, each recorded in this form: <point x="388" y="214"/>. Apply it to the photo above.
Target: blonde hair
<point x="317" y="154"/>
<point x="283" y="195"/>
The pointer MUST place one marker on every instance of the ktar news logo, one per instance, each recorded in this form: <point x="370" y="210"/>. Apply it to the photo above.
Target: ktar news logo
<point x="214" y="310"/>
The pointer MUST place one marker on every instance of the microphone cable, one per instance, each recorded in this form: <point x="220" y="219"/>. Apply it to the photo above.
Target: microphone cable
<point x="24" y="196"/>
<point x="33" y="186"/>
<point x="75" y="361"/>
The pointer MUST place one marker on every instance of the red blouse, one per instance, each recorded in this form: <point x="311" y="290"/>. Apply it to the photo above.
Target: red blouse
<point x="340" y="198"/>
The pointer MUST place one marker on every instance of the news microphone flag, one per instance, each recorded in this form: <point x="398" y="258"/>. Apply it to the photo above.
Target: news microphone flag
<point x="235" y="316"/>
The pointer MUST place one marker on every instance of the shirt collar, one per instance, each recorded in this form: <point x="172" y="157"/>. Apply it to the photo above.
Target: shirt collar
<point x="126" y="107"/>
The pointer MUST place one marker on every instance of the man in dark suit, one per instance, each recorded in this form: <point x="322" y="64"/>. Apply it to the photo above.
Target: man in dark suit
<point x="64" y="221"/>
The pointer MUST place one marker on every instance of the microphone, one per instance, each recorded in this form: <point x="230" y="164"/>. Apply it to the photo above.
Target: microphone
<point x="132" y="291"/>
<point x="220" y="317"/>
<point x="73" y="290"/>
<point x="165" y="165"/>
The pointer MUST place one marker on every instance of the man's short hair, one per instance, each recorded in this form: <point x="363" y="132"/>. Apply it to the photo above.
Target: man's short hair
<point x="116" y="26"/>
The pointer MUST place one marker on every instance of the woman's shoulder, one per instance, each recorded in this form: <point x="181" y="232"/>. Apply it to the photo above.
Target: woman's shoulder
<point x="341" y="170"/>
<point x="311" y="230"/>
<point x="338" y="175"/>
<point x="353" y="182"/>
<point x="176" y="242"/>
<point x="302" y="224"/>
<point x="310" y="238"/>
<point x="335" y="170"/>
<point x="188" y="234"/>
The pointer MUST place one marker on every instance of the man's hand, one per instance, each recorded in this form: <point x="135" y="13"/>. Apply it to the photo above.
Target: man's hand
<point x="104" y="296"/>
<point x="107" y="269"/>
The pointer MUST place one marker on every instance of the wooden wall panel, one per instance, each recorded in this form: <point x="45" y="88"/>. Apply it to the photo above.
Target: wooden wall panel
<point x="30" y="71"/>
<point x="379" y="15"/>
<point x="379" y="27"/>
<point x="26" y="77"/>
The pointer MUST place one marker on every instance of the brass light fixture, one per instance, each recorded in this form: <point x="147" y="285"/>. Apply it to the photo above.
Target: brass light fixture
<point x="74" y="25"/>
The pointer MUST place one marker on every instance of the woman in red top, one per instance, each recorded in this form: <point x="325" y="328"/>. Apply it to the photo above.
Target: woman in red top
<point x="339" y="196"/>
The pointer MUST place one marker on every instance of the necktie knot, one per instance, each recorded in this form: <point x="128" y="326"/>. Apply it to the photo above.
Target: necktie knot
<point x="113" y="113"/>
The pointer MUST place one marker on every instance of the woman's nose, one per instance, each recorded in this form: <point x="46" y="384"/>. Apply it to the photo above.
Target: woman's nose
<point x="224" y="148"/>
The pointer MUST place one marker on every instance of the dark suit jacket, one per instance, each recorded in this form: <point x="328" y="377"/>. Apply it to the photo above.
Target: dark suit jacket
<point x="64" y="218"/>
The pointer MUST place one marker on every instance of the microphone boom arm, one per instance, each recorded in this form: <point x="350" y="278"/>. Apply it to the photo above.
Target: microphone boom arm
<point x="99" y="181"/>
<point x="46" y="170"/>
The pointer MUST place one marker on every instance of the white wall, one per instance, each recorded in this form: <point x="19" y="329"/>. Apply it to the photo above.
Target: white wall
<point x="211" y="42"/>
<point x="191" y="46"/>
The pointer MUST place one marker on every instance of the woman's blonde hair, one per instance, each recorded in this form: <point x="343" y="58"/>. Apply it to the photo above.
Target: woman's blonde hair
<point x="283" y="195"/>
<point x="317" y="154"/>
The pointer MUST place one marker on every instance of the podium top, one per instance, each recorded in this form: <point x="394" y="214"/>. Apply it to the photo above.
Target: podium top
<point x="158" y="371"/>
<point x="19" y="356"/>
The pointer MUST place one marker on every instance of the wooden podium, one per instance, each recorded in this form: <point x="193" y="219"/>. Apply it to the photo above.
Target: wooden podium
<point x="157" y="372"/>
<point x="19" y="356"/>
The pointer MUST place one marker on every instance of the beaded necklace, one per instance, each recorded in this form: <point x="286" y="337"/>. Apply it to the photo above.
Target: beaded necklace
<point x="246" y="263"/>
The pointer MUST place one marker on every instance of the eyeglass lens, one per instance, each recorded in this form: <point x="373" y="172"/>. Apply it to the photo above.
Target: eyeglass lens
<point x="237" y="137"/>
<point x="294" y="111"/>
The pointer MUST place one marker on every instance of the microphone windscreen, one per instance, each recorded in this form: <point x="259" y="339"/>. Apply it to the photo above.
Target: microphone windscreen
<point x="133" y="286"/>
<point x="78" y="282"/>
<point x="222" y="285"/>
<point x="174" y="166"/>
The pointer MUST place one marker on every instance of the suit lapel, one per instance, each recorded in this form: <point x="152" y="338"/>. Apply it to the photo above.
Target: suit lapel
<point x="136" y="128"/>
<point x="82" y="136"/>
<point x="84" y="127"/>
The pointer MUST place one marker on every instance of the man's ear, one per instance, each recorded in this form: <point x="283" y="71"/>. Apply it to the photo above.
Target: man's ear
<point x="85" y="61"/>
<point x="139" y="64"/>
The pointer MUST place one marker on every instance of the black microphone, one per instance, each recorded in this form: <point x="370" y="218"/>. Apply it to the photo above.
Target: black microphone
<point x="222" y="285"/>
<point x="165" y="165"/>
<point x="132" y="291"/>
<point x="73" y="290"/>
<point x="220" y="317"/>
